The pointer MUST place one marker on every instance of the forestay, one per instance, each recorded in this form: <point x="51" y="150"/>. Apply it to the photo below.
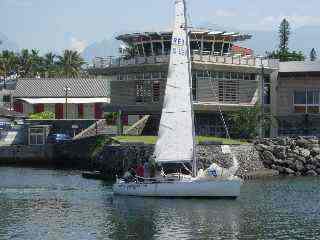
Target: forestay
<point x="176" y="140"/>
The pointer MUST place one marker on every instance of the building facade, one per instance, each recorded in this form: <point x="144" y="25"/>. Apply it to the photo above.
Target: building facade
<point x="224" y="76"/>
<point x="298" y="98"/>
<point x="76" y="98"/>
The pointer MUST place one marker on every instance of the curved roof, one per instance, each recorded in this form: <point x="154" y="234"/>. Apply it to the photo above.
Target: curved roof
<point x="234" y="36"/>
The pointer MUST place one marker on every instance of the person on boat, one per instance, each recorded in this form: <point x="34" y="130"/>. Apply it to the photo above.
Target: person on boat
<point x="146" y="169"/>
<point x="130" y="175"/>
<point x="140" y="170"/>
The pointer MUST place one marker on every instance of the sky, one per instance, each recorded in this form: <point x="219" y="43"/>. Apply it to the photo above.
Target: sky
<point x="54" y="25"/>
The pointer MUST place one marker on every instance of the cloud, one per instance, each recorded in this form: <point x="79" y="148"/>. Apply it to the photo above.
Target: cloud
<point x="77" y="44"/>
<point x="270" y="22"/>
<point x="225" y="13"/>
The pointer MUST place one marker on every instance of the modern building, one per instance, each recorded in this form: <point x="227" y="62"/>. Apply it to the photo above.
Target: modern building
<point x="298" y="98"/>
<point x="225" y="75"/>
<point x="68" y="98"/>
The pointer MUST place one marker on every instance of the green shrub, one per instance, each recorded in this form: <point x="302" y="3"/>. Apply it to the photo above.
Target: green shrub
<point x="42" y="116"/>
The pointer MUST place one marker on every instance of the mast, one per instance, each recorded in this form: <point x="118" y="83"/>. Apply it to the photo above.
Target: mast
<point x="194" y="162"/>
<point x="176" y="142"/>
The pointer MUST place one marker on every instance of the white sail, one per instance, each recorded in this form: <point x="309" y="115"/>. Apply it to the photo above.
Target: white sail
<point x="176" y="132"/>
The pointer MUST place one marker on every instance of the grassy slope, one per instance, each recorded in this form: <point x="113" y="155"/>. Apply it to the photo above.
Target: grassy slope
<point x="153" y="139"/>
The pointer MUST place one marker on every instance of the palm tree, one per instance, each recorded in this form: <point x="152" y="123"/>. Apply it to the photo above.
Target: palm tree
<point x="50" y="66"/>
<point x="70" y="63"/>
<point x="8" y="64"/>
<point x="24" y="63"/>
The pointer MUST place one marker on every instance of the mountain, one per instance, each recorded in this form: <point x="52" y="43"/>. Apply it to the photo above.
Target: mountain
<point x="107" y="47"/>
<point x="6" y="44"/>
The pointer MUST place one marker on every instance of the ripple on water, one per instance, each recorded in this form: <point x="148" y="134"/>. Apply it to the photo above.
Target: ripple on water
<point x="61" y="205"/>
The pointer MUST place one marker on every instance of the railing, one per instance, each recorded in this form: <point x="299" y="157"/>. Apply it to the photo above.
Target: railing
<point x="251" y="61"/>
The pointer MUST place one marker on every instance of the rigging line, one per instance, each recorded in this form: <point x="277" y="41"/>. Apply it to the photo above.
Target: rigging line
<point x="215" y="96"/>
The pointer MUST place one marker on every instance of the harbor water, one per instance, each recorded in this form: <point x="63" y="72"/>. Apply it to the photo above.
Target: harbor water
<point x="56" y="204"/>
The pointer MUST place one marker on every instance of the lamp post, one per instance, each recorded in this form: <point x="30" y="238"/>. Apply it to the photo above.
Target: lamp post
<point x="66" y="89"/>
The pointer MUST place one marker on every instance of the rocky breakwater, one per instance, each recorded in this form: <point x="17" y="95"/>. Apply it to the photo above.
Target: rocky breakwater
<point x="115" y="158"/>
<point x="291" y="156"/>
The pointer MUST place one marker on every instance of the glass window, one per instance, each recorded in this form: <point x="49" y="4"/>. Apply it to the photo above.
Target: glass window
<point x="140" y="49"/>
<point x="310" y="97"/>
<point x="300" y="97"/>
<point x="147" y="75"/>
<point x="227" y="75"/>
<point x="157" y="48"/>
<point x="316" y="97"/>
<point x="155" y="75"/>
<point x="234" y="76"/>
<point x="217" y="47"/>
<point x="226" y="47"/>
<point x="139" y="76"/>
<point x="6" y="98"/>
<point x="167" y="47"/>
<point x="200" y="74"/>
<point x="247" y="76"/>
<point x="194" y="89"/>
<point x="207" y="47"/>
<point x="163" y="75"/>
<point x="220" y="75"/>
<point x="147" y="49"/>
<point x="195" y="45"/>
<point x="156" y="91"/>
<point x="207" y="74"/>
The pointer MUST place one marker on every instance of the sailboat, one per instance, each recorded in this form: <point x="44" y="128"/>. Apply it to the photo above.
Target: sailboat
<point x="176" y="137"/>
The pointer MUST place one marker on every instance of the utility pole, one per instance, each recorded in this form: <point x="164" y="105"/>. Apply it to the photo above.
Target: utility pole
<point x="262" y="101"/>
<point x="66" y="89"/>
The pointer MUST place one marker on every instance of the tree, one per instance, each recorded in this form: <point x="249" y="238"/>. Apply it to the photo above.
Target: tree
<point x="70" y="63"/>
<point x="284" y="34"/>
<point x="50" y="65"/>
<point x="283" y="53"/>
<point x="313" y="55"/>
<point x="247" y="121"/>
<point x="8" y="64"/>
<point x="286" y="56"/>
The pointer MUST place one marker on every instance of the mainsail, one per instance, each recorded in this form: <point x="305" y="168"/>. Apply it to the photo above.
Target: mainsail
<point x="176" y="132"/>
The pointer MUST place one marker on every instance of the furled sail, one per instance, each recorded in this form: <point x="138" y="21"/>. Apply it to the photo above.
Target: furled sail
<point x="176" y="132"/>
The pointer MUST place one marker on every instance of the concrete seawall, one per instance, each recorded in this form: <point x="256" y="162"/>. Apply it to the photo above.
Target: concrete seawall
<point x="26" y="155"/>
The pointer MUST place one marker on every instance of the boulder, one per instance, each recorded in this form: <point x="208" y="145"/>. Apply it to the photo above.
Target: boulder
<point x="268" y="157"/>
<point x="280" y="152"/>
<point x="310" y="167"/>
<point x="304" y="153"/>
<point x="298" y="174"/>
<point x="263" y="147"/>
<point x="303" y="143"/>
<point x="318" y="171"/>
<point x="315" y="151"/>
<point x="298" y="165"/>
<point x="288" y="171"/>
<point x="289" y="163"/>
<point x="314" y="141"/>
<point x="311" y="173"/>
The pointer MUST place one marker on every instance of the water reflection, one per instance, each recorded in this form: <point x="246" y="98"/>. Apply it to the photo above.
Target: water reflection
<point x="177" y="218"/>
<point x="47" y="204"/>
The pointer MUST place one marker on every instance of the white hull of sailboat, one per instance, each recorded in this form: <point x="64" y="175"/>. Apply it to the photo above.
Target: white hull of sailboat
<point x="211" y="188"/>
